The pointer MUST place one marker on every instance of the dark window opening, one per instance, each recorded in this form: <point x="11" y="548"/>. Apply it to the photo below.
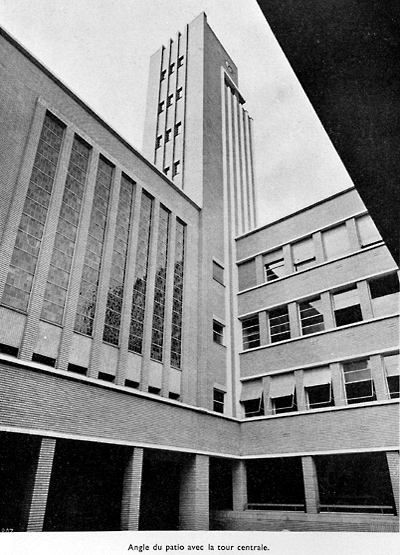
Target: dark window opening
<point x="174" y="396"/>
<point x="284" y="404"/>
<point x="158" y="141"/>
<point x="132" y="384"/>
<point x="171" y="69"/>
<point x="77" y="369"/>
<point x="218" y="401"/>
<point x="254" y="407"/>
<point x="154" y="390"/>
<point x="279" y="324"/>
<point x="161" y="107"/>
<point x="347" y="307"/>
<point x="358" y="483"/>
<point x="9" y="350"/>
<point x="221" y="491"/>
<point x="180" y="61"/>
<point x="179" y="93"/>
<point x="163" y="74"/>
<point x="384" y="295"/>
<point x="48" y="361"/>
<point x="320" y="396"/>
<point x="176" y="168"/>
<point x="170" y="100"/>
<point x="275" y="484"/>
<point x="218" y="333"/>
<point x="106" y="377"/>
<point x="348" y="315"/>
<point x="275" y="269"/>
<point x="358" y="382"/>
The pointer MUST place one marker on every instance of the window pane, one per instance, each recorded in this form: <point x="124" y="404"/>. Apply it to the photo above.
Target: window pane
<point x="279" y="324"/>
<point x="251" y="332"/>
<point x="311" y="316"/>
<point x="385" y="295"/>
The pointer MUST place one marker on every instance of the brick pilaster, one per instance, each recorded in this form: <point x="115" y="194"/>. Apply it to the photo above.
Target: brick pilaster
<point x="41" y="486"/>
<point x="194" y="494"/>
<point x="300" y="391"/>
<point x="378" y="375"/>
<point x="131" y="491"/>
<point x="337" y="385"/>
<point x="310" y="484"/>
<point x="393" y="464"/>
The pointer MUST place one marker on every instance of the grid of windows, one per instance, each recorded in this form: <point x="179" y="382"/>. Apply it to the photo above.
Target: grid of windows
<point x="279" y="324"/>
<point x="26" y="250"/>
<point x="311" y="316"/>
<point x="67" y="229"/>
<point x="358" y="382"/>
<point x="176" y="334"/>
<point x="157" y="338"/>
<point x="115" y="295"/>
<point x="139" y="289"/>
<point x="94" y="249"/>
<point x="251" y="332"/>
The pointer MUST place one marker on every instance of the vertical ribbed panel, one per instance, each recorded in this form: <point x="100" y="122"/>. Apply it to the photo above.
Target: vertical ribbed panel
<point x="337" y="384"/>
<point x="41" y="486"/>
<point x="131" y="491"/>
<point x="194" y="494"/>
<point x="310" y="484"/>
<point x="393" y="464"/>
<point x="300" y="392"/>
<point x="239" y="483"/>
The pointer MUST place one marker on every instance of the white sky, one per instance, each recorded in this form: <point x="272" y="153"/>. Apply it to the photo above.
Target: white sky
<point x="101" y="48"/>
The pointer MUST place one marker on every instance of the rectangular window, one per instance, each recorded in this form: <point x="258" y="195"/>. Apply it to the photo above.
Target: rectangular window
<point x="252" y="398"/>
<point x="171" y="69"/>
<point x="283" y="393"/>
<point x="135" y="343"/>
<point x="180" y="61"/>
<point x="112" y="323"/>
<point x="67" y="230"/>
<point x="367" y="231"/>
<point x="163" y="74"/>
<point x="247" y="274"/>
<point x="346" y="306"/>
<point x="158" y="141"/>
<point x="25" y="255"/>
<point x="218" y="332"/>
<point x="279" y="325"/>
<point x="178" y="128"/>
<point x="170" y="100"/>
<point x="392" y="367"/>
<point x="384" y="295"/>
<point x="318" y="387"/>
<point x="176" y="168"/>
<point x="177" y="297"/>
<point x="311" y="316"/>
<point x="161" y="107"/>
<point x="274" y="265"/>
<point x="166" y="170"/>
<point x="358" y="382"/>
<point x="251" y="332"/>
<point x="303" y="254"/>
<point x="218" y="272"/>
<point x="157" y="337"/>
<point x="94" y="249"/>
<point x="336" y="242"/>
<point x="168" y="135"/>
<point x="218" y="401"/>
<point x="179" y="94"/>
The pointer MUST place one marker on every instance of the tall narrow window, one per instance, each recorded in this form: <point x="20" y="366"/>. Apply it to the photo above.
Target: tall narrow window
<point x="251" y="332"/>
<point x="163" y="74"/>
<point x="177" y="301"/>
<point x="336" y="242"/>
<point x="157" y="336"/>
<point x="179" y="94"/>
<point x="180" y="61"/>
<point x="303" y="254"/>
<point x="218" y="272"/>
<point x="161" y="107"/>
<point x="24" y="259"/>
<point x="218" y="332"/>
<point x="168" y="135"/>
<point x="384" y="295"/>
<point x="218" y="401"/>
<point x="94" y="249"/>
<point x="67" y="229"/>
<point x="358" y="382"/>
<point x="367" y="231"/>
<point x="346" y="306"/>
<point x="178" y="128"/>
<point x="115" y="295"/>
<point x="283" y="393"/>
<point x="158" y="141"/>
<point x="311" y="316"/>
<point x="279" y="324"/>
<point x="170" y="100"/>
<point x="171" y="69"/>
<point x="392" y="368"/>
<point x="176" y="168"/>
<point x="274" y="265"/>
<point x="140" y="285"/>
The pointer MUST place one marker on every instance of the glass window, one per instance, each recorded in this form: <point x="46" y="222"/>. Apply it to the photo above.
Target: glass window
<point x="176" y="168"/>
<point x="179" y="93"/>
<point x="384" y="295"/>
<point x="346" y="306"/>
<point x="167" y="136"/>
<point x="392" y="367"/>
<point x="252" y="398"/>
<point x="171" y="69"/>
<point x="161" y="107"/>
<point x="163" y="74"/>
<point x="318" y="387"/>
<point x="177" y="306"/>
<point x="170" y="100"/>
<point x="158" y="141"/>
<point x="279" y="325"/>
<point x="218" y="272"/>
<point x="178" y="128"/>
<point x="218" y="400"/>
<point x="247" y="274"/>
<point x="274" y="265"/>
<point x="336" y="242"/>
<point x="303" y="254"/>
<point x="311" y="316"/>
<point x="367" y="231"/>
<point x="218" y="332"/>
<point x="251" y="332"/>
<point x="283" y="393"/>
<point x="180" y="61"/>
<point x="358" y="382"/>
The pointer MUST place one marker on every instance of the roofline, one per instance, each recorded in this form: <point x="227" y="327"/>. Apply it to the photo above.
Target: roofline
<point x="292" y="214"/>
<point x="88" y="109"/>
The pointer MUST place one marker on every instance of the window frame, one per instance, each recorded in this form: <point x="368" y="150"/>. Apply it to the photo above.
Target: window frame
<point x="286" y="333"/>
<point x="302" y="320"/>
<point x="218" y="402"/>
<point x="359" y="398"/>
<point x="218" y="333"/>
<point x="249" y="342"/>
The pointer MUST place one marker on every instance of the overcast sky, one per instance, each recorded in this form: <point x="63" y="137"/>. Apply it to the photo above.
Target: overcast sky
<point x="101" y="48"/>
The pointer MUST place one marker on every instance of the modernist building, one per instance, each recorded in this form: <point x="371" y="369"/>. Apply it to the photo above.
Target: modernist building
<point x="164" y="364"/>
